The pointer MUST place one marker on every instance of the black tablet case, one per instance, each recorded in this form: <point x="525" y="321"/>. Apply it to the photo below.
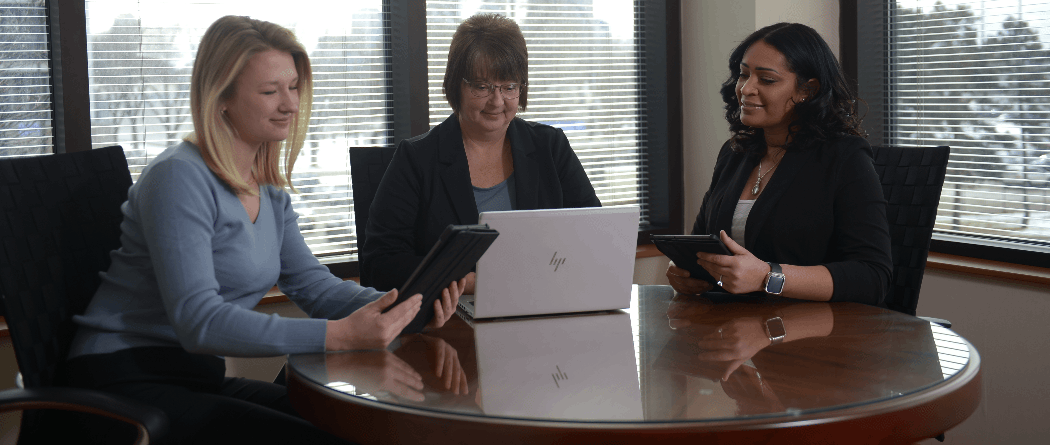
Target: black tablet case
<point x="453" y="256"/>
<point x="678" y="250"/>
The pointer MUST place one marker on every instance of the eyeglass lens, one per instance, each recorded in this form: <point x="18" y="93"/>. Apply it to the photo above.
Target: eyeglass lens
<point x="482" y="89"/>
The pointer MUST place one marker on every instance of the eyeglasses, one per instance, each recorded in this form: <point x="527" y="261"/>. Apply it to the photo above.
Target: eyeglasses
<point x="510" y="91"/>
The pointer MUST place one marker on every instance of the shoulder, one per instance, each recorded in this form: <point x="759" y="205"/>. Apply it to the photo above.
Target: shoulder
<point x="537" y="130"/>
<point x="846" y="150"/>
<point x="425" y="148"/>
<point x="179" y="165"/>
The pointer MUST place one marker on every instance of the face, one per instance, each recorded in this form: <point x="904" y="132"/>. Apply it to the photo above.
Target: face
<point x="767" y="89"/>
<point x="492" y="114"/>
<point x="265" y="99"/>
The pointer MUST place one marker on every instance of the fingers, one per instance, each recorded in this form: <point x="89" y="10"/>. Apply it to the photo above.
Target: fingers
<point x="731" y="244"/>
<point x="385" y="301"/>
<point x="673" y="270"/>
<point x="400" y="316"/>
<point x="732" y="368"/>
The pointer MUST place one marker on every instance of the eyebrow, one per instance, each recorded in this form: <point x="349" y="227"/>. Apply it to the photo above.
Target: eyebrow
<point x="760" y="68"/>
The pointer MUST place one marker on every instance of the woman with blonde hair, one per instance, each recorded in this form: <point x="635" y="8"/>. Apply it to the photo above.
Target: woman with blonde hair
<point x="208" y="229"/>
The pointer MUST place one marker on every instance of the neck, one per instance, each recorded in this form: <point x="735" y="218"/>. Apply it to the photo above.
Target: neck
<point x="776" y="138"/>
<point x="484" y="142"/>
<point x="244" y="158"/>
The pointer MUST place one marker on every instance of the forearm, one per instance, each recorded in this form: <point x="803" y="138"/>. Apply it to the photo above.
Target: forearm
<point x="806" y="282"/>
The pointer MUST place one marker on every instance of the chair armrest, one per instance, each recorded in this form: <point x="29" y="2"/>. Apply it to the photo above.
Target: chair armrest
<point x="150" y="421"/>
<point x="940" y="321"/>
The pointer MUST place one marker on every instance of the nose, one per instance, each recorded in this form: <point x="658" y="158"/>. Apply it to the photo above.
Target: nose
<point x="290" y="101"/>
<point x="496" y="96"/>
<point x="746" y="88"/>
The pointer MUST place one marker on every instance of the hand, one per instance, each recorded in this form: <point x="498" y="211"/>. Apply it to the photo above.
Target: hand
<point x="471" y="281"/>
<point x="446" y="364"/>
<point x="377" y="373"/>
<point x="735" y="341"/>
<point x="369" y="327"/>
<point x="682" y="283"/>
<point x="445" y="306"/>
<point x="739" y="273"/>
<point x="683" y="311"/>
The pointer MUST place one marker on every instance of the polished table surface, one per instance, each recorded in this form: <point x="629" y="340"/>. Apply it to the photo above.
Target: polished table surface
<point x="670" y="368"/>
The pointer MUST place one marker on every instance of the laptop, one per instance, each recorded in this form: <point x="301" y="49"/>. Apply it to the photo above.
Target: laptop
<point x="555" y="261"/>
<point x="566" y="367"/>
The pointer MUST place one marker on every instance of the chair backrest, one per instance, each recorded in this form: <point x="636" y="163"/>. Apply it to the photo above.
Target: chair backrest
<point x="367" y="166"/>
<point x="59" y="220"/>
<point x="912" y="178"/>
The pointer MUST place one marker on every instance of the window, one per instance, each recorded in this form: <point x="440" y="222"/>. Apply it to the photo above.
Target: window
<point x="974" y="75"/>
<point x="370" y="90"/>
<point x="25" y="84"/>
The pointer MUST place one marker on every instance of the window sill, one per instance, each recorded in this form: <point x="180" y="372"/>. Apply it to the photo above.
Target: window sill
<point x="988" y="268"/>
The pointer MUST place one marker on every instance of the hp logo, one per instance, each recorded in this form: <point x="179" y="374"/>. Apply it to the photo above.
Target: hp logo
<point x="555" y="261"/>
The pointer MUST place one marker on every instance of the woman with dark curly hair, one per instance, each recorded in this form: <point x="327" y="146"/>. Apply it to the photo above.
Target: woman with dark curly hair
<point x="794" y="194"/>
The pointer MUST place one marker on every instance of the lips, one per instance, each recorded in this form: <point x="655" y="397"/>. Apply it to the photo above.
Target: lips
<point x="749" y="105"/>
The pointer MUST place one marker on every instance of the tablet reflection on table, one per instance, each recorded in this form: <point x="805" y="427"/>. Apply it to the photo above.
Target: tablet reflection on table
<point x="566" y="367"/>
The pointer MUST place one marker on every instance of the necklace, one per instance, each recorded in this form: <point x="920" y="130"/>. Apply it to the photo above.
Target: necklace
<point x="758" y="182"/>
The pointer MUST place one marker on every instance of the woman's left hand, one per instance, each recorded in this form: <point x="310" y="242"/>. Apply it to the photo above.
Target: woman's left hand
<point x="446" y="306"/>
<point x="739" y="273"/>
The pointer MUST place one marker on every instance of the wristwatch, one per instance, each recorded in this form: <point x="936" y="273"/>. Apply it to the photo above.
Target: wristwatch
<point x="775" y="330"/>
<point x="775" y="279"/>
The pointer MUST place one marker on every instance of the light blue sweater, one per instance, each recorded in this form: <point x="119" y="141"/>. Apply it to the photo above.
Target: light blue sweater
<point x="191" y="267"/>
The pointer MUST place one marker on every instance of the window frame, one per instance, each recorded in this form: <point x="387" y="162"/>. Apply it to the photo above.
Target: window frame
<point x="406" y="44"/>
<point x="857" y="36"/>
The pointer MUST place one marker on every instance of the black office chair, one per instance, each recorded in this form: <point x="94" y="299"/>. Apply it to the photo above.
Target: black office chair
<point x="912" y="178"/>
<point x="59" y="219"/>
<point x="367" y="166"/>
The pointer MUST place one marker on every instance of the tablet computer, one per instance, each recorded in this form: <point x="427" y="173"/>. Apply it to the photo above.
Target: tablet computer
<point x="451" y="258"/>
<point x="682" y="249"/>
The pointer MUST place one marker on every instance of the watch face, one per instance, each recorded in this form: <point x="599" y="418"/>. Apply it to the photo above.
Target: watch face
<point x="775" y="283"/>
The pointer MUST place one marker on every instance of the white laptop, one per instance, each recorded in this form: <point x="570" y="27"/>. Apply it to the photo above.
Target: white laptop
<point x="569" y="367"/>
<point x="555" y="261"/>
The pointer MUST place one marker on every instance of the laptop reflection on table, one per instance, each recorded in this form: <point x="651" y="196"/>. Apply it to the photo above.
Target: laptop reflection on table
<point x="579" y="367"/>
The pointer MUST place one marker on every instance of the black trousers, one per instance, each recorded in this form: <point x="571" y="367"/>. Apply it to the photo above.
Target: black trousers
<point x="203" y="406"/>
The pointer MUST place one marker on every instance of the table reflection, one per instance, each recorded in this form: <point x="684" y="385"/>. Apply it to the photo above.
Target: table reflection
<point x="670" y="358"/>
<point x="571" y="367"/>
<point x="717" y="360"/>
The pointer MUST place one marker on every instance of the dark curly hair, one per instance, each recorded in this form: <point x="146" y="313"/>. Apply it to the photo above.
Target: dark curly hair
<point x="829" y="112"/>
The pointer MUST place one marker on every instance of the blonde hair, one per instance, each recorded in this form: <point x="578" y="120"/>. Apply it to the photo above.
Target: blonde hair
<point x="225" y="50"/>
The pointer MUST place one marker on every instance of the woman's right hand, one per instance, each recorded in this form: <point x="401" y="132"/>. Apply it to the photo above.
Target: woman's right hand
<point x="683" y="284"/>
<point x="369" y="327"/>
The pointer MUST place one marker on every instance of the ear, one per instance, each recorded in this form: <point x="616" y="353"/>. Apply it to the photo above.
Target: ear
<point x="809" y="88"/>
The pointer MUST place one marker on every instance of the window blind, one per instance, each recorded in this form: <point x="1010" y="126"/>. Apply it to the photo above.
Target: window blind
<point x="140" y="57"/>
<point x="584" y="77"/>
<point x="25" y="82"/>
<point x="976" y="76"/>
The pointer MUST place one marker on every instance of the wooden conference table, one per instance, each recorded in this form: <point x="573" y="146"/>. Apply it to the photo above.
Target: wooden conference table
<point x="669" y="369"/>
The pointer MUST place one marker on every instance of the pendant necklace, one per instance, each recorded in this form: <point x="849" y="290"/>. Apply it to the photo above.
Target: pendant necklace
<point x="758" y="182"/>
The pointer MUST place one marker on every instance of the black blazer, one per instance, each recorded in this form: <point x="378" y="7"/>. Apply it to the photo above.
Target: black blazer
<point x="823" y="205"/>
<point x="427" y="187"/>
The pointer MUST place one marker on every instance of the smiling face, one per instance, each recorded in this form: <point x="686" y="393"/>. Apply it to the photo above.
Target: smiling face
<point x="479" y="116"/>
<point x="265" y="99"/>
<point x="767" y="89"/>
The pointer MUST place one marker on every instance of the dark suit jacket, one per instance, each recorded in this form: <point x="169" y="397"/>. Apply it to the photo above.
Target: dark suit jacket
<point x="427" y="187"/>
<point x="823" y="205"/>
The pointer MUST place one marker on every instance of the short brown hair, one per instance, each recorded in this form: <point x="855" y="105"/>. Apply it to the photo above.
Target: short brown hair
<point x="225" y="50"/>
<point x="486" y="45"/>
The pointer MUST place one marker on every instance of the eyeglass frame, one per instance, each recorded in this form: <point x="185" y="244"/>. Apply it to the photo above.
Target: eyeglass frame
<point x="492" y="87"/>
